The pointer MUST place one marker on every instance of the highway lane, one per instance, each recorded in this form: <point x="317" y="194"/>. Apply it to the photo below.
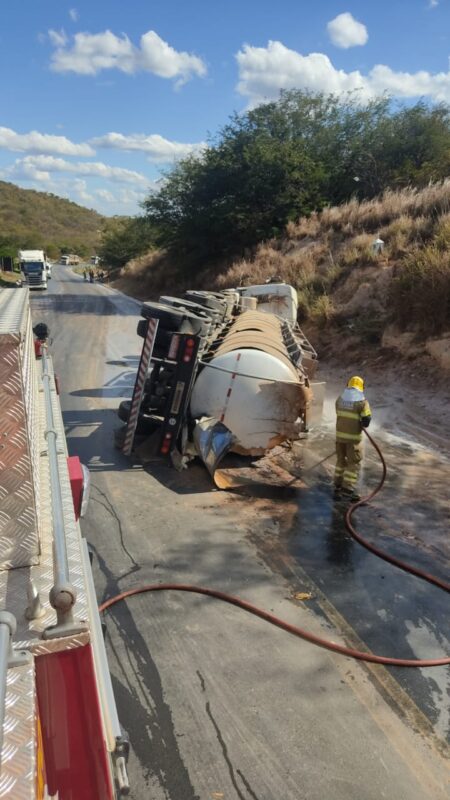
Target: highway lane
<point x="216" y="704"/>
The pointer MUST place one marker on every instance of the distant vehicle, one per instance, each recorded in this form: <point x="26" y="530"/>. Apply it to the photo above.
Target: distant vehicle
<point x="95" y="261"/>
<point x="48" y="267"/>
<point x="33" y="266"/>
<point x="70" y="260"/>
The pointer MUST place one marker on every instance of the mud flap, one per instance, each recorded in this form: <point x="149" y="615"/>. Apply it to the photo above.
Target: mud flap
<point x="212" y="440"/>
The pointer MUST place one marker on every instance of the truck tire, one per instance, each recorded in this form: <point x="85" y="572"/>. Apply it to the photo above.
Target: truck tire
<point x="187" y="305"/>
<point x="163" y="337"/>
<point x="173" y="319"/>
<point x="208" y="300"/>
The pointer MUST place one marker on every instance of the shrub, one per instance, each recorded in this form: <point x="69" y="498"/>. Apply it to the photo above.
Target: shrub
<point x="420" y="291"/>
<point x="323" y="310"/>
<point x="306" y="298"/>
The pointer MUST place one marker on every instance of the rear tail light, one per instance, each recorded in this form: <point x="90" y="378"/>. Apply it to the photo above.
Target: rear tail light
<point x="165" y="447"/>
<point x="188" y="350"/>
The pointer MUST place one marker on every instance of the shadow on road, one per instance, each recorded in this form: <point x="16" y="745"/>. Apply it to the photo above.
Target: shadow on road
<point x="119" y="386"/>
<point x="100" y="305"/>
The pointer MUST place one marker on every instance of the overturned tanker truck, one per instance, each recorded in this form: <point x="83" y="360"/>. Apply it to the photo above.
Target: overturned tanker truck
<point x="228" y="371"/>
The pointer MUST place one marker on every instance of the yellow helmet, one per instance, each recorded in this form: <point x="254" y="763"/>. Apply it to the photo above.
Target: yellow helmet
<point x="356" y="383"/>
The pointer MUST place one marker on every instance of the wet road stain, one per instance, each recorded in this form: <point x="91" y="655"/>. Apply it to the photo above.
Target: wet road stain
<point x="391" y="612"/>
<point x="249" y="793"/>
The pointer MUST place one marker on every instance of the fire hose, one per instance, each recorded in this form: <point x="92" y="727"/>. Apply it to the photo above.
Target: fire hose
<point x="294" y="629"/>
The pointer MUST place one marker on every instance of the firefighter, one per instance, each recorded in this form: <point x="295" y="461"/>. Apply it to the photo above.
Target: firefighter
<point x="352" y="415"/>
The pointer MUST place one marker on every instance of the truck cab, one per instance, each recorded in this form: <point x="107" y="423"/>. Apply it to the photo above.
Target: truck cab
<point x="33" y="266"/>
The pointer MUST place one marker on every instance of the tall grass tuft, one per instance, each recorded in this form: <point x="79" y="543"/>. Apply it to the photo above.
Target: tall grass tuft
<point x="419" y="296"/>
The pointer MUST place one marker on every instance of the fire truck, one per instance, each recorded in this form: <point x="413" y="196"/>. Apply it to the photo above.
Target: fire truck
<point x="60" y="735"/>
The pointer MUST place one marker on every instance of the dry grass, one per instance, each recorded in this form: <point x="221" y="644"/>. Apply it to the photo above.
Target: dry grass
<point x="9" y="278"/>
<point x="420" y="290"/>
<point x="328" y="255"/>
<point x="323" y="310"/>
<point x="372" y="215"/>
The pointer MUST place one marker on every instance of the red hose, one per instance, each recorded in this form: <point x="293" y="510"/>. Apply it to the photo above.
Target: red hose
<point x="294" y="629"/>
<point x="426" y="576"/>
<point x="279" y="623"/>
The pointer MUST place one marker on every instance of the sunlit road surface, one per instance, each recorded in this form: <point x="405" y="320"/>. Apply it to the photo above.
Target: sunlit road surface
<point x="218" y="704"/>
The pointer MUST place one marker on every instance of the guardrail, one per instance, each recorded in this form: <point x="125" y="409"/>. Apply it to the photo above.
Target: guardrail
<point x="63" y="594"/>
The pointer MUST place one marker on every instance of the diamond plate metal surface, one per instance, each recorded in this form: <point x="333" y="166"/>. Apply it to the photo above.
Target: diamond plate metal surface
<point x="30" y="384"/>
<point x="12" y="305"/>
<point x="19" y="540"/>
<point x="14" y="583"/>
<point x="25" y="494"/>
<point x="25" y="512"/>
<point x="17" y="776"/>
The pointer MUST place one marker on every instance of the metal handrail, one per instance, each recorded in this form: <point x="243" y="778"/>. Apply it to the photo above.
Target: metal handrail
<point x="8" y="658"/>
<point x="63" y="594"/>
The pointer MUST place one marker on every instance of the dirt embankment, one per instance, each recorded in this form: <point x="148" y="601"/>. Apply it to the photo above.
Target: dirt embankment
<point x="370" y="277"/>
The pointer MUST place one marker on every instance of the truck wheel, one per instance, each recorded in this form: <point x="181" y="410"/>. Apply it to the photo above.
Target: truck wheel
<point x="173" y="319"/>
<point x="207" y="300"/>
<point x="123" y="412"/>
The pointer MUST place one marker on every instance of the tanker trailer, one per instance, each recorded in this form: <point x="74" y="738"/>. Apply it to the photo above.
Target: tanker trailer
<point x="229" y="371"/>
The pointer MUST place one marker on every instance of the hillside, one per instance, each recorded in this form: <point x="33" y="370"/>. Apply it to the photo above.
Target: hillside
<point x="350" y="297"/>
<point x="31" y="219"/>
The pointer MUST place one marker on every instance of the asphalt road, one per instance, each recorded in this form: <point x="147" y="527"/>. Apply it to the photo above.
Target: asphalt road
<point x="218" y="704"/>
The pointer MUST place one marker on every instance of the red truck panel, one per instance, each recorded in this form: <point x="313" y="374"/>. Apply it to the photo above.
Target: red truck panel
<point x="76" y="482"/>
<point x="76" y="759"/>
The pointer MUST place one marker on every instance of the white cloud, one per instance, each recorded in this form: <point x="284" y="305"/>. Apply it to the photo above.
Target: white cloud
<point x="73" y="14"/>
<point x="433" y="3"/>
<point x="35" y="142"/>
<point x="263" y="71"/>
<point x="106" y="195"/>
<point x="90" y="53"/>
<point x="160" y="58"/>
<point x="30" y="166"/>
<point x="58" y="38"/>
<point x="345" y="31"/>
<point x="157" y="148"/>
<point x="80" y="191"/>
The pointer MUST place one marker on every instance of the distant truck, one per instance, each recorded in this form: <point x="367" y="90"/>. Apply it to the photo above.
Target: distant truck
<point x="33" y="266"/>
<point x="70" y="260"/>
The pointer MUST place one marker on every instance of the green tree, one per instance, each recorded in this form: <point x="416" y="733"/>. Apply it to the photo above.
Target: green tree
<point x="287" y="158"/>
<point x="124" y="239"/>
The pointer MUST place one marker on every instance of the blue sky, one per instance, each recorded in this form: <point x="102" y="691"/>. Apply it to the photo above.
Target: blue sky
<point x="99" y="97"/>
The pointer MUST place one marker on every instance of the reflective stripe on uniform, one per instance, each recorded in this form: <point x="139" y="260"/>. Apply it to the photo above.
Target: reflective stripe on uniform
<point x="348" y="437"/>
<point x="348" y="414"/>
<point x="366" y="412"/>
<point x="348" y="474"/>
<point x="339" y="470"/>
